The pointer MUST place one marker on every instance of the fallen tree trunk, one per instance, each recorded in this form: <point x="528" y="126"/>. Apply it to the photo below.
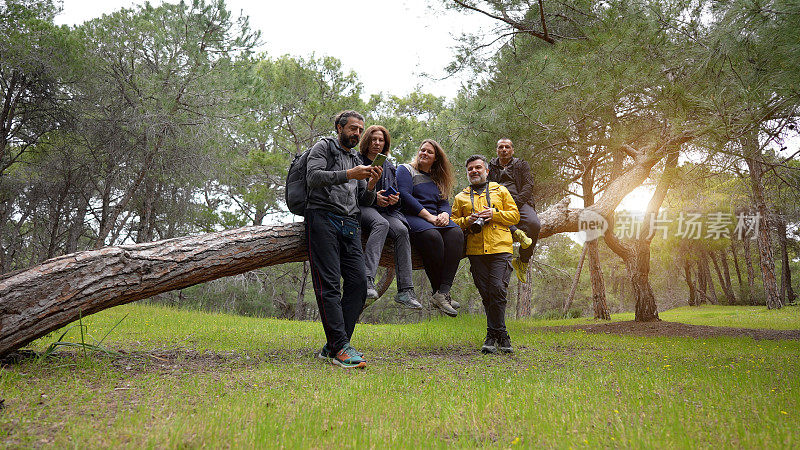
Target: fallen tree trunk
<point x="43" y="298"/>
<point x="36" y="301"/>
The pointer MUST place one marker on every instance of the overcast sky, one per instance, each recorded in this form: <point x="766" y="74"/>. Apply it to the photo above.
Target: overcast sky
<point x="414" y="38"/>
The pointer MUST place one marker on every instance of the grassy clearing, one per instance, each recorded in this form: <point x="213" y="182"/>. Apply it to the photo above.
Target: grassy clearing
<point x="195" y="379"/>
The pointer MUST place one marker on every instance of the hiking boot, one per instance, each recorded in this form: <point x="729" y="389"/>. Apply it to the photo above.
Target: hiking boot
<point x="348" y="358"/>
<point x="325" y="353"/>
<point x="439" y="300"/>
<point x="452" y="302"/>
<point x="406" y="298"/>
<point x="522" y="238"/>
<point x="504" y="344"/>
<point x="521" y="269"/>
<point x="372" y="293"/>
<point x="489" y="344"/>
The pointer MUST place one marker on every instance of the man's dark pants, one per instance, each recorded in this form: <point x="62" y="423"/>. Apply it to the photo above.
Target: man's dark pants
<point x="491" y="274"/>
<point x="334" y="251"/>
<point x="529" y="223"/>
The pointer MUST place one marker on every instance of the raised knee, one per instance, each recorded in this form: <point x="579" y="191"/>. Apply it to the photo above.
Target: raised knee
<point x="535" y="227"/>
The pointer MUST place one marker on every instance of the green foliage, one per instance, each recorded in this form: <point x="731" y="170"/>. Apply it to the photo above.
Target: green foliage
<point x="290" y="104"/>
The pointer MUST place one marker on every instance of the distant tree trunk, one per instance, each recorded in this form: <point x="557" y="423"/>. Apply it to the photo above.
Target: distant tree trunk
<point x="756" y="167"/>
<point x="742" y="295"/>
<point x="110" y="219"/>
<point x="751" y="273"/>
<point x="724" y="278"/>
<point x="300" y="305"/>
<point x="687" y="272"/>
<point x="599" y="304"/>
<point x="144" y="232"/>
<point x="639" y="269"/>
<point x="726" y="272"/>
<point x="575" y="280"/>
<point x="56" y="214"/>
<point x="598" y="284"/>
<point x="787" y="293"/>
<point x="258" y="216"/>
<point x="77" y="226"/>
<point x="524" y="291"/>
<point x="637" y="255"/>
<point x="703" y="265"/>
<point x="702" y="285"/>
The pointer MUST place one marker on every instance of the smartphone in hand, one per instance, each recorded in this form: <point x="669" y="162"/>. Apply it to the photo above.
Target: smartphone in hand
<point x="380" y="158"/>
<point x="389" y="191"/>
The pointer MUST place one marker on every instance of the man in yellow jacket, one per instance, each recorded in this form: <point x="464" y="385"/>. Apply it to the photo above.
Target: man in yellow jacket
<point x="485" y="210"/>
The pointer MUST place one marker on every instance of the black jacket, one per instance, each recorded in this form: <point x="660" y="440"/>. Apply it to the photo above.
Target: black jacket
<point x="523" y="179"/>
<point x="328" y="186"/>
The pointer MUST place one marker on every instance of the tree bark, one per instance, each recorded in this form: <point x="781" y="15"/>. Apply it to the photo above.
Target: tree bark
<point x="726" y="272"/>
<point x="598" y="284"/>
<point x="599" y="304"/>
<point x="751" y="273"/>
<point x="787" y="293"/>
<point x="637" y="254"/>
<point x="524" y="306"/>
<point x="77" y="225"/>
<point x="742" y="295"/>
<point x="687" y="272"/>
<point x="300" y="305"/>
<point x="756" y="168"/>
<point x="724" y="283"/>
<point x="571" y="297"/>
<point x="711" y="294"/>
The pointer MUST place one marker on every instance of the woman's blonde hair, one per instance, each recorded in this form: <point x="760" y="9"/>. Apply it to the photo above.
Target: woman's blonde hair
<point x="441" y="170"/>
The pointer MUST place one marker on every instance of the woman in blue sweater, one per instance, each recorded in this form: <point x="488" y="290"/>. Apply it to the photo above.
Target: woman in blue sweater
<point x="425" y="185"/>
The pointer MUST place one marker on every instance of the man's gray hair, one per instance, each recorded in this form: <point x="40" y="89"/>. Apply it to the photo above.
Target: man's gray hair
<point x="477" y="157"/>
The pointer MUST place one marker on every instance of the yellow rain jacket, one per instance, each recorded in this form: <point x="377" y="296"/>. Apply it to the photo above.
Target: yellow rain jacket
<point x="494" y="236"/>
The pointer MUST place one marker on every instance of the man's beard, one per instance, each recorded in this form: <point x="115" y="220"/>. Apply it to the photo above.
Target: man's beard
<point x="477" y="181"/>
<point x="348" y="141"/>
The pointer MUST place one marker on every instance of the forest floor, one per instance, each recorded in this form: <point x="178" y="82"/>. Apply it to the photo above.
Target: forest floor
<point x="665" y="328"/>
<point x="172" y="378"/>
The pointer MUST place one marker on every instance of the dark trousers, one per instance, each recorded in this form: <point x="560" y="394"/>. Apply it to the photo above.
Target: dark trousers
<point x="441" y="250"/>
<point x="529" y="223"/>
<point x="491" y="274"/>
<point x="334" y="251"/>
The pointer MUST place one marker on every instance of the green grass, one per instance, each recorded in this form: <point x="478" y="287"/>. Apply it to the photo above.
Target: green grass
<point x="189" y="379"/>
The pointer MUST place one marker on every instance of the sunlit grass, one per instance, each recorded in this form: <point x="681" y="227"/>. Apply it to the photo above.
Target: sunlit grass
<point x="245" y="382"/>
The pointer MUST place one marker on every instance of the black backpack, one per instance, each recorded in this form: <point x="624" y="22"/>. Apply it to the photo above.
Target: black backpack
<point x="296" y="188"/>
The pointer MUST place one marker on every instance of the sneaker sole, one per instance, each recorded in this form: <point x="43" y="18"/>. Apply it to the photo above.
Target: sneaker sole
<point x="343" y="365"/>
<point x="451" y="314"/>
<point x="408" y="305"/>
<point x="507" y="350"/>
<point x="323" y="357"/>
<point x="486" y="349"/>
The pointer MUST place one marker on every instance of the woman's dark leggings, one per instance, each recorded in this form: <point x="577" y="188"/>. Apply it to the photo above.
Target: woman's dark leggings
<point x="441" y="250"/>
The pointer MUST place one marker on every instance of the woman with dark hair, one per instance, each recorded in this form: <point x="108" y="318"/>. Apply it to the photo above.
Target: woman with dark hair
<point x="425" y="185"/>
<point x="384" y="218"/>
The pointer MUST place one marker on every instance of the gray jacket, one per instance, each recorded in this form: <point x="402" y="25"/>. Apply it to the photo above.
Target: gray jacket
<point x="328" y="186"/>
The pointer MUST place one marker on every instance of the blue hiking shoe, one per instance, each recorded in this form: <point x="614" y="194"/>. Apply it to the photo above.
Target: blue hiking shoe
<point x="348" y="358"/>
<point x="325" y="353"/>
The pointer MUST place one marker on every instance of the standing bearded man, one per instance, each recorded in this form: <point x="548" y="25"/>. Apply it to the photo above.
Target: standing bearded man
<point x="337" y="184"/>
<point x="485" y="211"/>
